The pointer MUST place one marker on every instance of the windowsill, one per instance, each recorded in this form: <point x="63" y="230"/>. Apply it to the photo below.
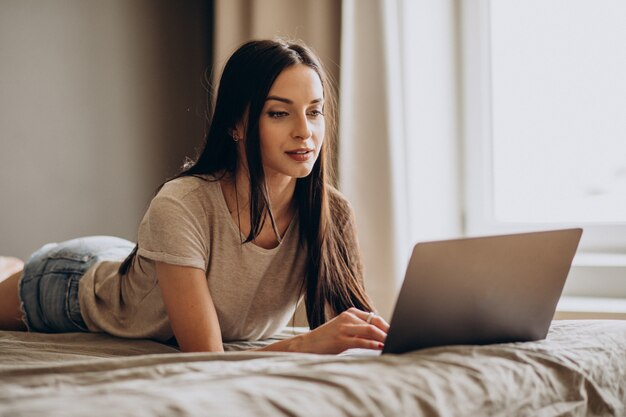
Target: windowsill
<point x="597" y="275"/>
<point x="586" y="259"/>
<point x="575" y="307"/>
<point x="595" y="288"/>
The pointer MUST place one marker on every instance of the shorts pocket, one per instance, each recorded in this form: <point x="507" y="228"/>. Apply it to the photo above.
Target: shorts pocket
<point x="67" y="262"/>
<point x="72" y="304"/>
<point x="70" y="255"/>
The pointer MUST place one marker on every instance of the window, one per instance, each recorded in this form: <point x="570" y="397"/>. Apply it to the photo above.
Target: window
<point x="544" y="115"/>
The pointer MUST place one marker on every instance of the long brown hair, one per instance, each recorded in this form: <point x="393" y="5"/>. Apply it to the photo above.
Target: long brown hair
<point x="331" y="280"/>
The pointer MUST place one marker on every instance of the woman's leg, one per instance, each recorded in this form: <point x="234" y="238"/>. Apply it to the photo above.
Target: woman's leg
<point x="10" y="313"/>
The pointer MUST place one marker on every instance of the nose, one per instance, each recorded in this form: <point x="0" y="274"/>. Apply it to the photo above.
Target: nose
<point x="301" y="128"/>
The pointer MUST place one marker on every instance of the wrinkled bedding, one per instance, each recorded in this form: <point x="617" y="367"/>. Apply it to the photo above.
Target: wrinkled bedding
<point x="579" y="370"/>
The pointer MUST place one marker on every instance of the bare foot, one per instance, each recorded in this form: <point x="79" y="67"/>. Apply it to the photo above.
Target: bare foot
<point x="9" y="266"/>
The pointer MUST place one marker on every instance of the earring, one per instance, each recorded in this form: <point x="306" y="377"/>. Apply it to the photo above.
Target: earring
<point x="235" y="138"/>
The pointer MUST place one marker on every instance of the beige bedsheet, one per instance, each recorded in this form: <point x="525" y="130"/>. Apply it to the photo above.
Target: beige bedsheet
<point x="579" y="370"/>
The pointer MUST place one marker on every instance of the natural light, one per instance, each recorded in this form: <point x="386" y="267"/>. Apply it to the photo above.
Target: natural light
<point x="558" y="110"/>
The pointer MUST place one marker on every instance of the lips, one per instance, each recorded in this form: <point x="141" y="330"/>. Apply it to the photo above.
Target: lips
<point x="300" y="151"/>
<point x="300" y="155"/>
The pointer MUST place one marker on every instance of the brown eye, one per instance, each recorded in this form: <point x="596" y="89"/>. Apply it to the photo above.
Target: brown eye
<point x="277" y="114"/>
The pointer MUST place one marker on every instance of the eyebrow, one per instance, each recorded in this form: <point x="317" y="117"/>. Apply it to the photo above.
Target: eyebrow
<point x="286" y="100"/>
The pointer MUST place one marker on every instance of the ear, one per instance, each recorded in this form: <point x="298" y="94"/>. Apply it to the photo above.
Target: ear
<point x="237" y="132"/>
<point x="233" y="133"/>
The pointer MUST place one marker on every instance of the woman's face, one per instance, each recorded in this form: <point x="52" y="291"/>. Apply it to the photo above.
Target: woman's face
<point x="291" y="126"/>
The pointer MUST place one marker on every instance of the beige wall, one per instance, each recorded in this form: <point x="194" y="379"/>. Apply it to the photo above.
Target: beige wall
<point x="99" y="103"/>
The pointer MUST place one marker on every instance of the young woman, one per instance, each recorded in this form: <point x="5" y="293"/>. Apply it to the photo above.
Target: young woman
<point x="227" y="248"/>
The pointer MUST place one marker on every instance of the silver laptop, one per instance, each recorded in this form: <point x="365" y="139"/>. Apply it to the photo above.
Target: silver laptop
<point x="482" y="290"/>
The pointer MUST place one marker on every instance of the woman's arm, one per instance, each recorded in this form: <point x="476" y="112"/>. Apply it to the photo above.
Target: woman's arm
<point x="346" y="331"/>
<point x="190" y="308"/>
<point x="194" y="320"/>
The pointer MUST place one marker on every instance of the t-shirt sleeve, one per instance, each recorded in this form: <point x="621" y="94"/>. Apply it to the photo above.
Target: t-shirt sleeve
<point x="171" y="232"/>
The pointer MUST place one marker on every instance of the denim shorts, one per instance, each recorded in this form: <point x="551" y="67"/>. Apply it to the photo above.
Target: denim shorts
<point x="48" y="288"/>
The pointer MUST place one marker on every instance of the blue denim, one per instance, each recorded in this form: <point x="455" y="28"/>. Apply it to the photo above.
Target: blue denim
<point x="48" y="288"/>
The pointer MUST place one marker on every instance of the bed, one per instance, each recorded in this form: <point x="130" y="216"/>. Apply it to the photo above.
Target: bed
<point x="579" y="370"/>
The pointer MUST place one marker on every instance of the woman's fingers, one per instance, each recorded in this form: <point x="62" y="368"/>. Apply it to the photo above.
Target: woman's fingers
<point x="357" y="342"/>
<point x="358" y="313"/>
<point x="376" y="320"/>
<point x="380" y="323"/>
<point x="366" y="331"/>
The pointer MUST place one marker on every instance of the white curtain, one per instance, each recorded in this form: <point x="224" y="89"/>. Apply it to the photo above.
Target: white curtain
<point x="399" y="147"/>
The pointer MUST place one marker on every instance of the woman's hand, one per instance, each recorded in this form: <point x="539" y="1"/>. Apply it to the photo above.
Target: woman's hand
<point x="346" y="331"/>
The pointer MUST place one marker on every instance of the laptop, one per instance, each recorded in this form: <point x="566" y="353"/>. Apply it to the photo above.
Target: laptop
<point x="481" y="290"/>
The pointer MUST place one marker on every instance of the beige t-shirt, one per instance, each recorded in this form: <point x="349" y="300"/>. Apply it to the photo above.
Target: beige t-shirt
<point x="255" y="290"/>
